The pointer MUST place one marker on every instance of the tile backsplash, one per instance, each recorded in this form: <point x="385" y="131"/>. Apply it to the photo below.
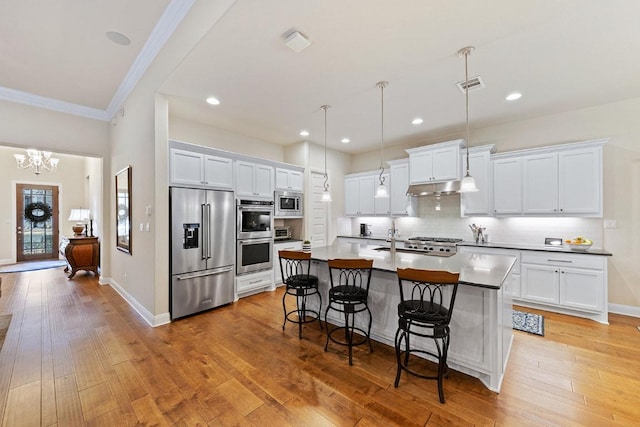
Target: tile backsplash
<point x="441" y="218"/>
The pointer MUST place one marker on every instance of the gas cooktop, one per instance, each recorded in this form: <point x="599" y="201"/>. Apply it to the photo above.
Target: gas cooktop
<point x="435" y="239"/>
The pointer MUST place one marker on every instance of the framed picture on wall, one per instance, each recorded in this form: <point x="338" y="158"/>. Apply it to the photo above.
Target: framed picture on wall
<point x="123" y="210"/>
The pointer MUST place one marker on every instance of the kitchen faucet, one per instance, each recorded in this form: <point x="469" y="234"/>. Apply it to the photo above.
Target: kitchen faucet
<point x="392" y="238"/>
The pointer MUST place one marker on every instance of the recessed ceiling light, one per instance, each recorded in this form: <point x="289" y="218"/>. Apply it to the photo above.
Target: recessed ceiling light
<point x="118" y="38"/>
<point x="345" y="140"/>
<point x="304" y="133"/>
<point x="513" y="96"/>
<point x="417" y="121"/>
<point x="213" y="101"/>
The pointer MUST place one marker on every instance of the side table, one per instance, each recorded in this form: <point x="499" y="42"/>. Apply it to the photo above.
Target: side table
<point x="81" y="253"/>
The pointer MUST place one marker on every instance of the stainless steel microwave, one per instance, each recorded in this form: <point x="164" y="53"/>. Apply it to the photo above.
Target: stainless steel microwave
<point x="288" y="204"/>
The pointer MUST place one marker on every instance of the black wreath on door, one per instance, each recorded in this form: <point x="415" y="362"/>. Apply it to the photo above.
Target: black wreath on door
<point x="37" y="212"/>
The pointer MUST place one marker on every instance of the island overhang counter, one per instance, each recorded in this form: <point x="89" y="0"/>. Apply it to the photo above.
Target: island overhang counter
<point x="481" y="325"/>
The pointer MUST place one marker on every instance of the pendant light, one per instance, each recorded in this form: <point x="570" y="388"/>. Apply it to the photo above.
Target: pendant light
<point x="326" y="195"/>
<point x="382" y="189"/>
<point x="468" y="184"/>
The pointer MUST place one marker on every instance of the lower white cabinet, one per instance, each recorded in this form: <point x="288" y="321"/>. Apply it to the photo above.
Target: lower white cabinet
<point x="248" y="284"/>
<point x="566" y="283"/>
<point x="284" y="246"/>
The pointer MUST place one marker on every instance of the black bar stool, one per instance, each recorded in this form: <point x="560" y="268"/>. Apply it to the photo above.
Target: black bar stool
<point x="350" y="279"/>
<point x="295" y="266"/>
<point x="425" y="308"/>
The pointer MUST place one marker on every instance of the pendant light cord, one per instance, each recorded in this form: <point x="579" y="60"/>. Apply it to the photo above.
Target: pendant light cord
<point x="466" y="101"/>
<point x="382" y="85"/>
<point x="326" y="177"/>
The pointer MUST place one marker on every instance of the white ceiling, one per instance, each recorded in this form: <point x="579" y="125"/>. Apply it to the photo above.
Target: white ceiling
<point x="561" y="55"/>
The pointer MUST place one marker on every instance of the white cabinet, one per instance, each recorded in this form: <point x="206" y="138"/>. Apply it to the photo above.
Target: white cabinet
<point x="284" y="246"/>
<point x="287" y="179"/>
<point x="400" y="203"/>
<point x="566" y="282"/>
<point x="479" y="202"/>
<point x="507" y="185"/>
<point x="253" y="179"/>
<point x="515" y="285"/>
<point x="566" y="182"/>
<point x="249" y="284"/>
<point x="580" y="181"/>
<point x="558" y="180"/>
<point x="382" y="205"/>
<point x="359" y="194"/>
<point x="540" y="184"/>
<point x="198" y="169"/>
<point x="435" y="163"/>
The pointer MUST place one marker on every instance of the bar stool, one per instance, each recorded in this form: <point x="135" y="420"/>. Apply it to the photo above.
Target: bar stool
<point x="350" y="279"/>
<point x="295" y="266"/>
<point x="425" y="309"/>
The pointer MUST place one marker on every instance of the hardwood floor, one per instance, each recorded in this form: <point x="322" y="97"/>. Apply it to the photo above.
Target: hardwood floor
<point x="77" y="354"/>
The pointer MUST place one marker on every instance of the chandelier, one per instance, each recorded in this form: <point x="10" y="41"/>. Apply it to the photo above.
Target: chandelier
<point x="38" y="160"/>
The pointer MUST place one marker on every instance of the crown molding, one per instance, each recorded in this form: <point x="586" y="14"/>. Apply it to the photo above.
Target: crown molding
<point x="13" y="95"/>
<point x="164" y="28"/>
<point x="167" y="24"/>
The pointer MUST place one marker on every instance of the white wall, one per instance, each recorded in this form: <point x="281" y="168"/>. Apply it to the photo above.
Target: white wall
<point x="617" y="121"/>
<point x="184" y="130"/>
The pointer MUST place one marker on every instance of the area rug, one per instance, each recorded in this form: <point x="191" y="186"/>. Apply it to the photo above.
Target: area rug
<point x="528" y="322"/>
<point x="33" y="265"/>
<point x="5" y="319"/>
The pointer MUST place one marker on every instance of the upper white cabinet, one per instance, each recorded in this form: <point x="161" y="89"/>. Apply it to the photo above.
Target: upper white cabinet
<point x="254" y="179"/>
<point x="359" y="192"/>
<point x="559" y="180"/>
<point x="507" y="186"/>
<point x="287" y="179"/>
<point x="479" y="202"/>
<point x="435" y="163"/>
<point x="400" y="203"/>
<point x="197" y="169"/>
<point x="580" y="181"/>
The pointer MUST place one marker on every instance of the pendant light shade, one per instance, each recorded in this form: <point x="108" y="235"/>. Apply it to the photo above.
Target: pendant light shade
<point x="382" y="188"/>
<point x="326" y="195"/>
<point x="468" y="184"/>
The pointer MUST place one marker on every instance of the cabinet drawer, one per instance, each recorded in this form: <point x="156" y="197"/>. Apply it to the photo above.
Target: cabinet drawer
<point x="565" y="260"/>
<point x="250" y="282"/>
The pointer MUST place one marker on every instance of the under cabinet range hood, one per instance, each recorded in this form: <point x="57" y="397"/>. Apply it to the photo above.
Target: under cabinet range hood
<point x="439" y="188"/>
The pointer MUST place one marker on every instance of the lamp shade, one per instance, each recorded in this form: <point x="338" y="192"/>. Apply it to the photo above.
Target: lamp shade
<point x="79" y="215"/>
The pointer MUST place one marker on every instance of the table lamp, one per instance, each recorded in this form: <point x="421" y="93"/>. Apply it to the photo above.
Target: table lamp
<point x="80" y="216"/>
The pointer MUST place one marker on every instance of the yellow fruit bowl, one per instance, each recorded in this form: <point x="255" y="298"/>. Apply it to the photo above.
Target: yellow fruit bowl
<point x="579" y="246"/>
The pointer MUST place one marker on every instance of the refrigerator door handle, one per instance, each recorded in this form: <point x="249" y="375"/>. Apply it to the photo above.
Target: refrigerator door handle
<point x="205" y="231"/>
<point x="208" y="231"/>
<point x="205" y="273"/>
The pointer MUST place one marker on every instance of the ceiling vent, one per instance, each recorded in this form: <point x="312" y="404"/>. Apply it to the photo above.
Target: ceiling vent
<point x="474" y="84"/>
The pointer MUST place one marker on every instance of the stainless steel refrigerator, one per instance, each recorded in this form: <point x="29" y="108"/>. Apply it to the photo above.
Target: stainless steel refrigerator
<point x="202" y="250"/>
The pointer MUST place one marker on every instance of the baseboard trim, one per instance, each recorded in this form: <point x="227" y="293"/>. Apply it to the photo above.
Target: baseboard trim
<point x="626" y="310"/>
<point x="150" y="318"/>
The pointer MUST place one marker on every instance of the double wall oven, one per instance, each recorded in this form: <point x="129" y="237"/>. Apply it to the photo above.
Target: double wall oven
<point x="255" y="235"/>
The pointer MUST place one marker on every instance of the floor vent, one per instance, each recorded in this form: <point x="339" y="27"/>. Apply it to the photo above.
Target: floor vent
<point x="474" y="84"/>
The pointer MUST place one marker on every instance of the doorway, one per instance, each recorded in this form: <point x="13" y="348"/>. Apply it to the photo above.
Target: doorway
<point x="319" y="212"/>
<point x="36" y="222"/>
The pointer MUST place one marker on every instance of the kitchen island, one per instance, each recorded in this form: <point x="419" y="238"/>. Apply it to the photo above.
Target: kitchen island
<point x="481" y="325"/>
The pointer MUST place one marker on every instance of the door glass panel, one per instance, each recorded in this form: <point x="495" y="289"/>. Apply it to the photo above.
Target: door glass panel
<point x="37" y="222"/>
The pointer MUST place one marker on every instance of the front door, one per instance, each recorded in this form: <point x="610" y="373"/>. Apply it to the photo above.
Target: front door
<point x="37" y="222"/>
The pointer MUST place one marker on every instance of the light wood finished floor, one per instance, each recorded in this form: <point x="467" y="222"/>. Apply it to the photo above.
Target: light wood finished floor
<point x="77" y="354"/>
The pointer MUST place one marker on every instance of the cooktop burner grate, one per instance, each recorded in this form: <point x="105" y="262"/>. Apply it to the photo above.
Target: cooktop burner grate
<point x="435" y="239"/>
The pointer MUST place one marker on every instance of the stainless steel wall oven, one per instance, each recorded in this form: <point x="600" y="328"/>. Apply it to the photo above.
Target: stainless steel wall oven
<point x="254" y="249"/>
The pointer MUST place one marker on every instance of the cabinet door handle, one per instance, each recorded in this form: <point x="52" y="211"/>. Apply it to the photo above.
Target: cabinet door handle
<point x="559" y="260"/>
